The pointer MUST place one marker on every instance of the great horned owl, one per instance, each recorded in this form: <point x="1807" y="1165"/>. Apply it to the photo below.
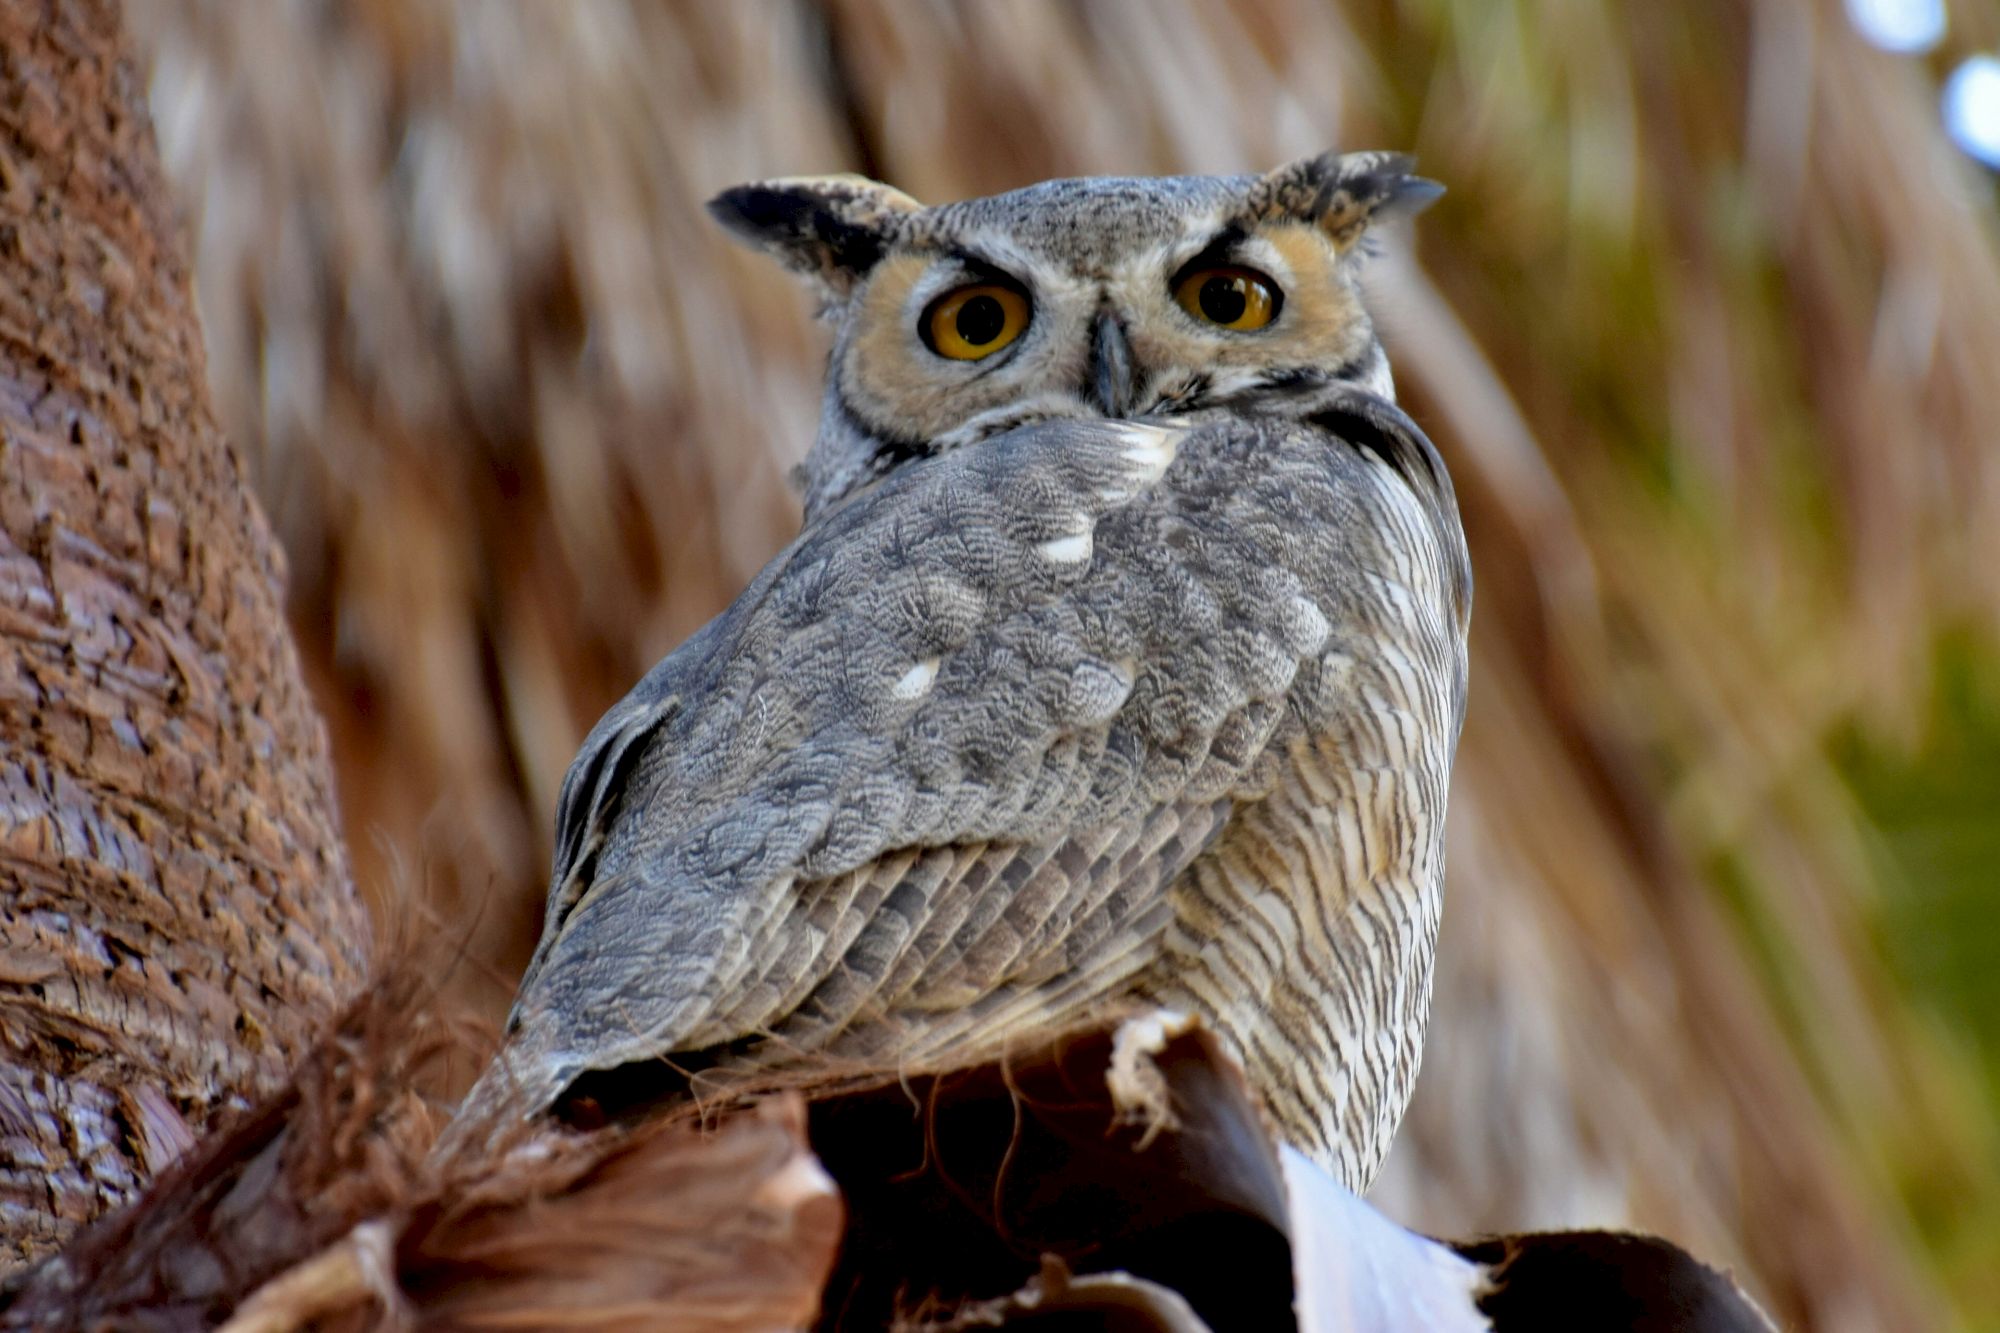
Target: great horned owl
<point x="1121" y="662"/>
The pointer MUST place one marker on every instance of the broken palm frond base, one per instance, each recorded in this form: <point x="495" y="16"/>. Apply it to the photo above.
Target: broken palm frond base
<point x="1121" y="1180"/>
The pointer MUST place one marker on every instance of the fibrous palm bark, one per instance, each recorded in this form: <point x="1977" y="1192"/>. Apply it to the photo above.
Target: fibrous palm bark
<point x="177" y="920"/>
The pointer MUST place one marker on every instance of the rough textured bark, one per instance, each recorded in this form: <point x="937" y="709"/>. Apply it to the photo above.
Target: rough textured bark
<point x="177" y="918"/>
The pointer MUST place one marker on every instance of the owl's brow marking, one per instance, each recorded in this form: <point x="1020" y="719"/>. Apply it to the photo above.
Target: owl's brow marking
<point x="983" y="269"/>
<point x="1221" y="248"/>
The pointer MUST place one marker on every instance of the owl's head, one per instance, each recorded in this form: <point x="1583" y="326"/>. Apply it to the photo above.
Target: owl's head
<point x="1100" y="297"/>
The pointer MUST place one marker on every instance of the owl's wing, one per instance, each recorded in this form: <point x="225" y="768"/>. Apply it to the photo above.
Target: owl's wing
<point x="981" y="937"/>
<point x="953" y="743"/>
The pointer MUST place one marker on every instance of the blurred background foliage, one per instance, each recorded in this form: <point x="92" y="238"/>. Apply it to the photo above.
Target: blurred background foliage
<point x="1708" y="329"/>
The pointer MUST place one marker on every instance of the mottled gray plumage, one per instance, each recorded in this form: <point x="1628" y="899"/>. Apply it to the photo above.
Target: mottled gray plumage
<point x="1123" y="666"/>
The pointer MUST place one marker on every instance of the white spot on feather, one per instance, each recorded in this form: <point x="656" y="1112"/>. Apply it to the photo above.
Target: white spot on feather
<point x="916" y="682"/>
<point x="1151" y="448"/>
<point x="1066" y="550"/>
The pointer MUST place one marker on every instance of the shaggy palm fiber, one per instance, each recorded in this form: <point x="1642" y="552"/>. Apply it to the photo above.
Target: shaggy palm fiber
<point x="1029" y="1192"/>
<point x="324" y="1207"/>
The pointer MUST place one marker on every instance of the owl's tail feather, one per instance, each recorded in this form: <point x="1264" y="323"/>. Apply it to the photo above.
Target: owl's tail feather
<point x="501" y="1106"/>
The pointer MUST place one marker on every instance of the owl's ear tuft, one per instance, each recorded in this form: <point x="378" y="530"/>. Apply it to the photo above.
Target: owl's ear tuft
<point x="832" y="229"/>
<point x="1344" y="194"/>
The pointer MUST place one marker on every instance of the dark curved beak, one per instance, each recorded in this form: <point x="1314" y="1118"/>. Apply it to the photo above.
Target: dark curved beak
<point x="1108" y="382"/>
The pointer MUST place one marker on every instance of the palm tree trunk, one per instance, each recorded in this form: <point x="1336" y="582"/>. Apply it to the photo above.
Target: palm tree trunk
<point x="177" y="918"/>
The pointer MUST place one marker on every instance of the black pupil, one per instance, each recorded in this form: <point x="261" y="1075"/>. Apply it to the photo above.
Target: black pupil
<point x="980" y="320"/>
<point x="1223" y="299"/>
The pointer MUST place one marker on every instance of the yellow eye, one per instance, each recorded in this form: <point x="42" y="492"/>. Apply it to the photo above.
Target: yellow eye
<point x="1235" y="298"/>
<point x="975" y="321"/>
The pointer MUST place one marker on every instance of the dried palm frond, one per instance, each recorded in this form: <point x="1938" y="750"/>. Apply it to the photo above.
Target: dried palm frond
<point x="325" y="1208"/>
<point x="1017" y="1193"/>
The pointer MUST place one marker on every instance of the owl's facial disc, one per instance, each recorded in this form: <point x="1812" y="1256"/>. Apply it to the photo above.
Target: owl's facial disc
<point x="1098" y="297"/>
<point x="948" y="344"/>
